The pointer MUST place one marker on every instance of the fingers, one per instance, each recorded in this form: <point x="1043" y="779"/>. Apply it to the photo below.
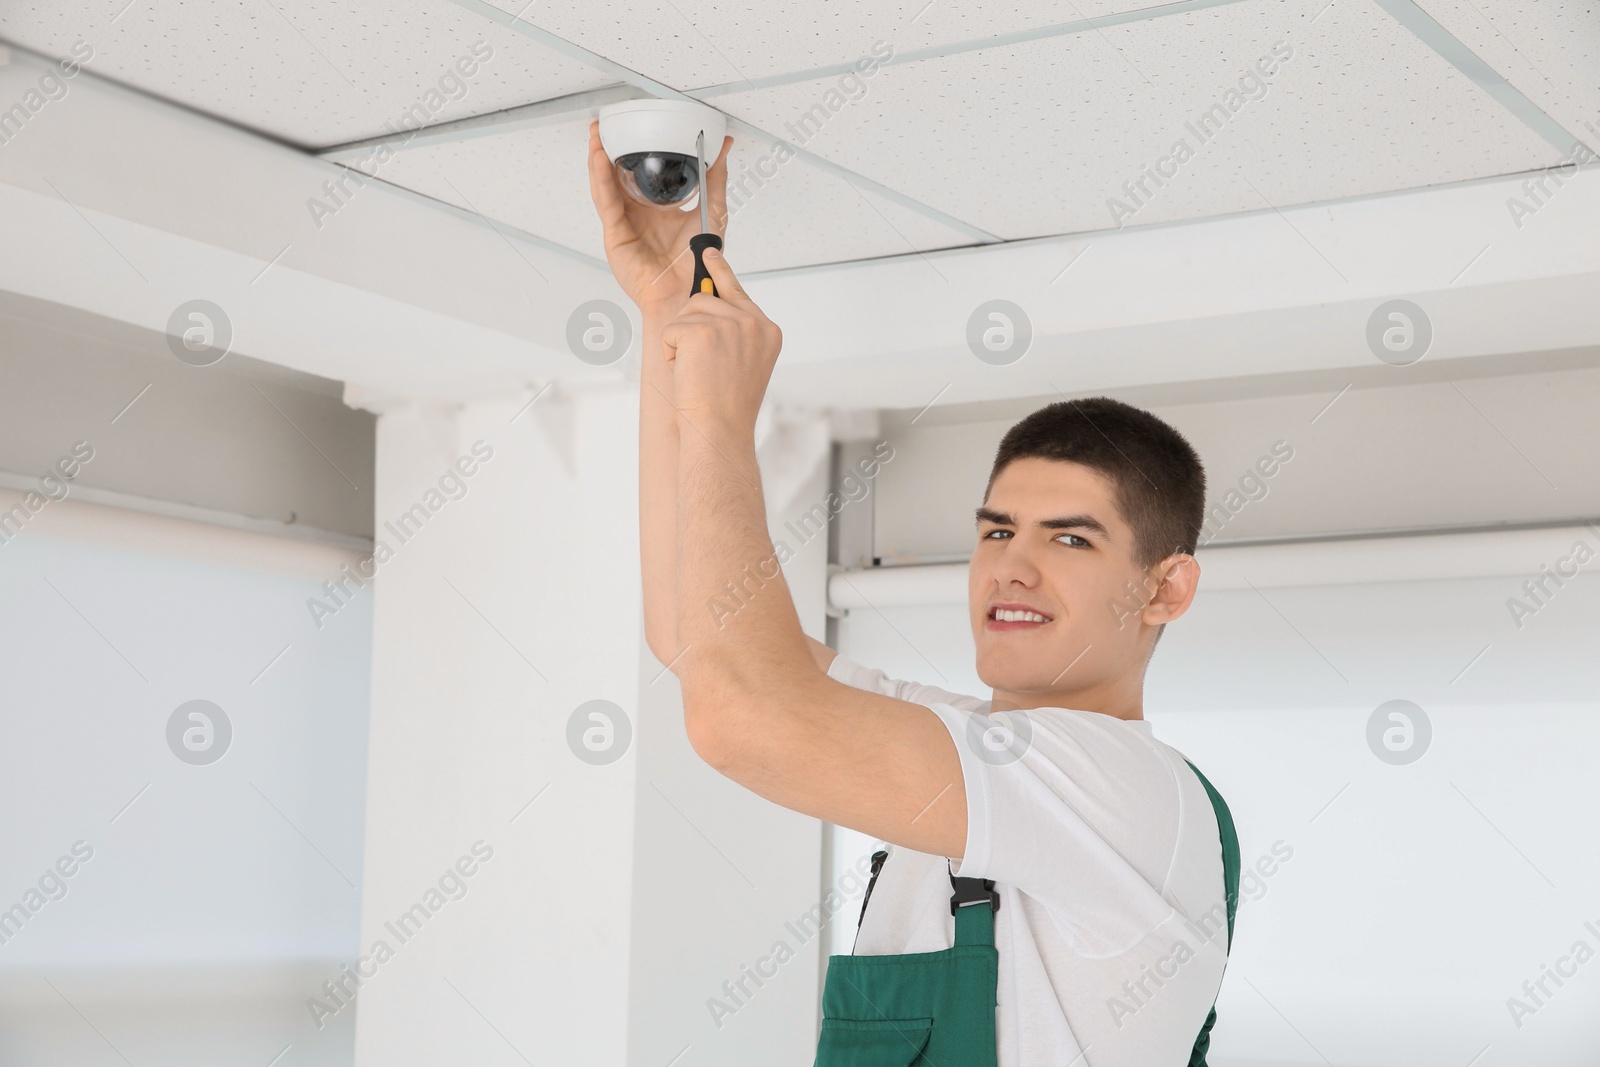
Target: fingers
<point x="728" y="287"/>
<point x="603" y="181"/>
<point x="732" y="304"/>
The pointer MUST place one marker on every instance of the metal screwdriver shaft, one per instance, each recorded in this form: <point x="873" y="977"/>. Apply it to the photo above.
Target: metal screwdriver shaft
<point x="705" y="238"/>
<point x="700" y="155"/>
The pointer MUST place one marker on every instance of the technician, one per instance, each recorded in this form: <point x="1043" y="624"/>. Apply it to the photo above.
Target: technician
<point x="1059" y="887"/>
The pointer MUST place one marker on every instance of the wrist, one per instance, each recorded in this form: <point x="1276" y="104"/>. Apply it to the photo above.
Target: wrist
<point x="662" y="310"/>
<point x="723" y="434"/>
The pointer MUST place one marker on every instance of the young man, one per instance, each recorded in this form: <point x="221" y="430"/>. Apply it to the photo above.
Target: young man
<point x="1055" y="891"/>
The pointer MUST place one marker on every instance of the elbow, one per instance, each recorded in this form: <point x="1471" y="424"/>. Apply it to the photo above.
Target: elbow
<point x="734" y="722"/>
<point x="717" y="716"/>
<point x="708" y="728"/>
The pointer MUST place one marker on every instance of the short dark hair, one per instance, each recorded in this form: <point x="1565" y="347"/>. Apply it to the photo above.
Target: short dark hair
<point x="1157" y="479"/>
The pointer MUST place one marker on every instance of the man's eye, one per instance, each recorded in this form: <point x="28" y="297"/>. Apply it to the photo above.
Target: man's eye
<point x="992" y="533"/>
<point x="1081" y="542"/>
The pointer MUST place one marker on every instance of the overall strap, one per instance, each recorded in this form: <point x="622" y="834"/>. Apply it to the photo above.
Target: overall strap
<point x="974" y="921"/>
<point x="1230" y="847"/>
<point x="974" y="925"/>
<point x="877" y="865"/>
<point x="1230" y="886"/>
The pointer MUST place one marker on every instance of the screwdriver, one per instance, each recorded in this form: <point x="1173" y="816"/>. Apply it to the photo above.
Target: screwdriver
<point x="705" y="238"/>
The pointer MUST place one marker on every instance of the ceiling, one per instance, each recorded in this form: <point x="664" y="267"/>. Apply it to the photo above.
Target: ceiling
<point x="986" y="123"/>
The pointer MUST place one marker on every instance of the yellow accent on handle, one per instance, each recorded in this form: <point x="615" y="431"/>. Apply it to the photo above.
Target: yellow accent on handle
<point x="706" y="286"/>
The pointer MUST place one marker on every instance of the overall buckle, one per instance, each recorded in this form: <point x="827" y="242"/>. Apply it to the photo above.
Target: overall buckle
<point x="973" y="891"/>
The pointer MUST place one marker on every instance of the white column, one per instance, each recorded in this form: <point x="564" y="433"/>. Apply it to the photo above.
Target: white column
<point x="727" y="884"/>
<point x="617" y="903"/>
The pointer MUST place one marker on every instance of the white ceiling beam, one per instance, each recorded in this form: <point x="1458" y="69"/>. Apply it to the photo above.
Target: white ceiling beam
<point x="1263" y="293"/>
<point x="127" y="206"/>
<point x="412" y="301"/>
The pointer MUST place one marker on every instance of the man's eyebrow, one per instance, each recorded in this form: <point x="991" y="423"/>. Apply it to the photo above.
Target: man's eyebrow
<point x="1064" y="522"/>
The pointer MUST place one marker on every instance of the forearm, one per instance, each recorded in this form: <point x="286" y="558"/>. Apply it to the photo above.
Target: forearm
<point x="734" y="607"/>
<point x="658" y="492"/>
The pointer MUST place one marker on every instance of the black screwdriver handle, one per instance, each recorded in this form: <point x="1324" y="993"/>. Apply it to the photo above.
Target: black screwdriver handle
<point x="702" y="277"/>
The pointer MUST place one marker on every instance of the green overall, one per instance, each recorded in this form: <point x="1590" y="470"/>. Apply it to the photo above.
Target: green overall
<point x="937" y="1009"/>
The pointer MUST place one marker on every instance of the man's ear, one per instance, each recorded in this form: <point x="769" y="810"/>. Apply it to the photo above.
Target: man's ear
<point x="1177" y="578"/>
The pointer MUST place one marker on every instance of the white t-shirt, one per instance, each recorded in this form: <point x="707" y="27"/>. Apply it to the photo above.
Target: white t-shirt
<point x="1112" y="927"/>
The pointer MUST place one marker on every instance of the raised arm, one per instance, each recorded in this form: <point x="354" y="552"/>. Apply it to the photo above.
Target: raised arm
<point x="659" y="449"/>
<point x="658" y="494"/>
<point x="756" y="705"/>
<point x="648" y="253"/>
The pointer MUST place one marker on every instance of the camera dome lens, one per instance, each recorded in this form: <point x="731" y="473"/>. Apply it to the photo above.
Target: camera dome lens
<point x="658" y="178"/>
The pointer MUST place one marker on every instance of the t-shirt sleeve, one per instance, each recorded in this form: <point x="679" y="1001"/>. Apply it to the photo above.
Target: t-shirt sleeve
<point x="1077" y="809"/>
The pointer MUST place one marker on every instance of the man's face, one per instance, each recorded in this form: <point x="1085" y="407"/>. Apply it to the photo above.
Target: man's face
<point x="1052" y="541"/>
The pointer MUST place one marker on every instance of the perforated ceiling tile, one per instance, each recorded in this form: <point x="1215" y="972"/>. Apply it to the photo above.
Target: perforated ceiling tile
<point x="537" y="181"/>
<point x="1549" y="50"/>
<point x="310" y="72"/>
<point x="689" y="45"/>
<point x="1039" y="138"/>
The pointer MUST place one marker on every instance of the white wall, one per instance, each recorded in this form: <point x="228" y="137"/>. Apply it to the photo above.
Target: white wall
<point x="509" y="608"/>
<point x="1418" y="898"/>
<point x="217" y="896"/>
<point x="721" y="876"/>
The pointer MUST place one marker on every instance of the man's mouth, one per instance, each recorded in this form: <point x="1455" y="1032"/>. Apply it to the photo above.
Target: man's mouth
<point x="1015" y="617"/>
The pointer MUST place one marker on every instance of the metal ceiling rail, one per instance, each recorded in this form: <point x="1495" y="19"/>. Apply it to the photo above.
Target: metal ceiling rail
<point x="633" y="85"/>
<point x="667" y="92"/>
<point x="1405" y="12"/>
<point x="978" y="44"/>
<point x="334" y="168"/>
<point x="1425" y="28"/>
<point x="509" y="120"/>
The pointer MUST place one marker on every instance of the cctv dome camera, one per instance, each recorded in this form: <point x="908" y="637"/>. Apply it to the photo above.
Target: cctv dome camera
<point x="652" y="145"/>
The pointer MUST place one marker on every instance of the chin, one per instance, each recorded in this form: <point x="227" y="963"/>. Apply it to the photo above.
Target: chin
<point x="1007" y="672"/>
<point x="1015" y="672"/>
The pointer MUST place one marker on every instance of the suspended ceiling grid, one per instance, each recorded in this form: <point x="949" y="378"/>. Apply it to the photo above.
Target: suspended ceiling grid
<point x="991" y="122"/>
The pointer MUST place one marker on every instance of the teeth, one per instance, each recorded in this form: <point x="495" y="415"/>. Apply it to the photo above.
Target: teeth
<point x="1019" y="616"/>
